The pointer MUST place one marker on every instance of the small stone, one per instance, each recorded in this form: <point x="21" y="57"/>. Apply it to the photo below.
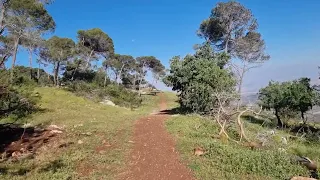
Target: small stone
<point x="284" y="140"/>
<point x="56" y="132"/>
<point x="108" y="102"/>
<point x="15" y="154"/>
<point x="87" y="134"/>
<point x="102" y="152"/>
<point x="80" y="142"/>
<point x="54" y="127"/>
<point x="130" y="142"/>
<point x="78" y="125"/>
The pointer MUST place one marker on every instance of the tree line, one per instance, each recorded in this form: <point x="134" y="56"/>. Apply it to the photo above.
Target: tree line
<point x="210" y="81"/>
<point x="23" y="23"/>
<point x="87" y="64"/>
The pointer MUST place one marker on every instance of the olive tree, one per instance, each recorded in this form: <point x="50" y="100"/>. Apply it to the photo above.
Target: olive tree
<point x="197" y="79"/>
<point x="289" y="98"/>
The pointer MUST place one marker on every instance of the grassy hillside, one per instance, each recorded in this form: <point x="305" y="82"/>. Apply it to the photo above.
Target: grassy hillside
<point x="94" y="143"/>
<point x="228" y="160"/>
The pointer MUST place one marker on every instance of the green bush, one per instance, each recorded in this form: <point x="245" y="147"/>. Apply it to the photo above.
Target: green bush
<point x="123" y="97"/>
<point x="116" y="93"/>
<point x="17" y="102"/>
<point x="197" y="77"/>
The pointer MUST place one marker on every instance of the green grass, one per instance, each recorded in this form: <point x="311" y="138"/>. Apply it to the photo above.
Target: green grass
<point x="228" y="160"/>
<point x="171" y="98"/>
<point x="78" y="115"/>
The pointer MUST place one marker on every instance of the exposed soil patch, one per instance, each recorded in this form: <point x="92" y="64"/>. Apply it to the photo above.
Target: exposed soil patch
<point x="17" y="142"/>
<point x="85" y="169"/>
<point x="154" y="155"/>
<point x="103" y="148"/>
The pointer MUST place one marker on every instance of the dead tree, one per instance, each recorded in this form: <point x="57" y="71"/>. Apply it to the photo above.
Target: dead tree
<point x="224" y="112"/>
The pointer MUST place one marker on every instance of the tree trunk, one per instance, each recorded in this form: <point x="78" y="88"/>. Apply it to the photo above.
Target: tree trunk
<point x="280" y="124"/>
<point x="30" y="62"/>
<point x="74" y="72"/>
<point x="14" y="58"/>
<point x="38" y="74"/>
<point x="88" y="60"/>
<point x="134" y="81"/>
<point x="241" y="128"/>
<point x="302" y="117"/>
<point x="2" y="14"/>
<point x="240" y="88"/>
<point x="4" y="58"/>
<point x="120" y="73"/>
<point x="116" y="77"/>
<point x="105" y="81"/>
<point x="56" y="73"/>
<point x="105" y="78"/>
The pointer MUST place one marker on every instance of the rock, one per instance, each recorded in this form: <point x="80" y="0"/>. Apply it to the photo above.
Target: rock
<point x="108" y="102"/>
<point x="80" y="142"/>
<point x="27" y="125"/>
<point x="56" y="132"/>
<point x="78" y="125"/>
<point x="198" y="151"/>
<point x="16" y="154"/>
<point x="284" y="140"/>
<point x="130" y="142"/>
<point x="87" y="134"/>
<point x="272" y="132"/>
<point x="301" y="178"/>
<point x="54" y="127"/>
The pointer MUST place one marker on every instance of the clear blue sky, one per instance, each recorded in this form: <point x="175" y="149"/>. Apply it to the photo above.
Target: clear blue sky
<point x="165" y="28"/>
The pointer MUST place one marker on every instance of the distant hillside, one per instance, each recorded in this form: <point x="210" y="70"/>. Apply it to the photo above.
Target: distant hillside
<point x="249" y="98"/>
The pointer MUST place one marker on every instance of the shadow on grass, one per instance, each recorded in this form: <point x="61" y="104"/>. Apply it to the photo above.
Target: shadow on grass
<point x="14" y="172"/>
<point x="11" y="133"/>
<point x="53" y="166"/>
<point x="175" y="111"/>
<point x="263" y="121"/>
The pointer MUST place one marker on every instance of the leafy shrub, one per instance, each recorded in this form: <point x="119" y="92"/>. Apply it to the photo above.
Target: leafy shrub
<point x="116" y="93"/>
<point x="97" y="78"/>
<point x="288" y="99"/>
<point x="26" y="76"/>
<point x="123" y="97"/>
<point x="17" y="102"/>
<point x="197" y="77"/>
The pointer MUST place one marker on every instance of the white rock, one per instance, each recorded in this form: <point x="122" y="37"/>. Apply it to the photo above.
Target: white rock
<point x="54" y="127"/>
<point x="284" y="140"/>
<point x="56" y="131"/>
<point x="80" y="142"/>
<point x="108" y="102"/>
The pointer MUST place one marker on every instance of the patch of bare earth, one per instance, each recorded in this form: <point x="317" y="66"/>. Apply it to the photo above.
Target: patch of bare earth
<point x="18" y="143"/>
<point x="154" y="155"/>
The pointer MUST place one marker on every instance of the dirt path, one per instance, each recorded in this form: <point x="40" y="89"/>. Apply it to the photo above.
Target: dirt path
<point x="154" y="156"/>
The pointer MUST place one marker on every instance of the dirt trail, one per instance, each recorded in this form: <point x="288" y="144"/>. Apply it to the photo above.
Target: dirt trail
<point x="154" y="156"/>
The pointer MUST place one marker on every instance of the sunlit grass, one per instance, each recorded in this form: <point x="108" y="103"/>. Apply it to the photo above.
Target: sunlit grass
<point x="228" y="160"/>
<point x="102" y="154"/>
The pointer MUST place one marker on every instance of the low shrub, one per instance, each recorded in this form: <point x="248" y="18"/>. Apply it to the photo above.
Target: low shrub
<point x="123" y="97"/>
<point x="17" y="102"/>
<point x="116" y="93"/>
